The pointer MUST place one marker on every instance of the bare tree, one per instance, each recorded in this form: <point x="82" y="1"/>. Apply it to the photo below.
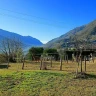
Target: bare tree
<point x="10" y="47"/>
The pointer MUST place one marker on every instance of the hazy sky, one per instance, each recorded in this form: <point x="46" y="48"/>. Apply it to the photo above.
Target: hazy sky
<point x="45" y="19"/>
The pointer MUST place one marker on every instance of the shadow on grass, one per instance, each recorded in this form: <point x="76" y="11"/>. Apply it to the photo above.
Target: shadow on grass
<point x="91" y="76"/>
<point x="85" y="76"/>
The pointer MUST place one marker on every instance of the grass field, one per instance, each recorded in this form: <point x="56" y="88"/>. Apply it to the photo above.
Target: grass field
<point x="34" y="82"/>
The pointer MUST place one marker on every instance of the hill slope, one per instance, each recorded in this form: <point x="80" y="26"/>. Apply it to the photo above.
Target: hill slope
<point x="89" y="32"/>
<point x="26" y="40"/>
<point x="83" y="32"/>
<point x="63" y="38"/>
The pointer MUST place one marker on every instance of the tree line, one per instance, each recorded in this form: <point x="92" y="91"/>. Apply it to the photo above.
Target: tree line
<point x="12" y="50"/>
<point x="36" y="52"/>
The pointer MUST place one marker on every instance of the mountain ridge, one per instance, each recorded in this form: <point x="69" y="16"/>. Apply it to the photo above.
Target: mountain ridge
<point x="27" y="40"/>
<point x="56" y="42"/>
<point x="87" y="31"/>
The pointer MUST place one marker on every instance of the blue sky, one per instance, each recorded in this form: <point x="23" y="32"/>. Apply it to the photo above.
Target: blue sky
<point x="45" y="19"/>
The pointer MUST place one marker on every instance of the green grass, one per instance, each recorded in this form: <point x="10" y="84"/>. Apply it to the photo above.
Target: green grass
<point x="34" y="82"/>
<point x="45" y="83"/>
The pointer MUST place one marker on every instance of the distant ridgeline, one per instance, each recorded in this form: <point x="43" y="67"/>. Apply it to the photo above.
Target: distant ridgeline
<point x="85" y="33"/>
<point x="28" y="41"/>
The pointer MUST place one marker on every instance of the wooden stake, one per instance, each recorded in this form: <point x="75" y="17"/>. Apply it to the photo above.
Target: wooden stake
<point x="93" y="59"/>
<point x="61" y="64"/>
<point x="51" y="61"/>
<point x="8" y="62"/>
<point x="41" y="64"/>
<point x="67" y="58"/>
<point x="23" y="63"/>
<point x="81" y="63"/>
<point x="85" y="62"/>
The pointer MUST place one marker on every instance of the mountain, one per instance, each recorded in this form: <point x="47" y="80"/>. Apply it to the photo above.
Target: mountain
<point x="85" y="32"/>
<point x="28" y="41"/>
<point x="63" y="38"/>
<point x="89" y="32"/>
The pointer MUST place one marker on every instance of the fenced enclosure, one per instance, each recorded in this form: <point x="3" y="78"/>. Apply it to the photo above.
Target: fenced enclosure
<point x="60" y="65"/>
<point x="67" y="62"/>
<point x="25" y="75"/>
<point x="66" y="67"/>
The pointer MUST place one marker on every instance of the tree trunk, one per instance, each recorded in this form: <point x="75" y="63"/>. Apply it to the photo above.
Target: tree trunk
<point x="8" y="62"/>
<point x="23" y="63"/>
<point x="67" y="58"/>
<point x="61" y="64"/>
<point x="93" y="58"/>
<point x="85" y="63"/>
<point x="41" y="64"/>
<point x="51" y="61"/>
<point x="81" y="63"/>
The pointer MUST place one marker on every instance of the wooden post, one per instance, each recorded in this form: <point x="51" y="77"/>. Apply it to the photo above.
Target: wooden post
<point x="81" y="63"/>
<point x="51" y="61"/>
<point x="85" y="62"/>
<point x="23" y="63"/>
<point x="8" y="62"/>
<point x="93" y="58"/>
<point x="67" y="58"/>
<point x="72" y="57"/>
<point x="41" y="64"/>
<point x="61" y="64"/>
<point x="78" y="60"/>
